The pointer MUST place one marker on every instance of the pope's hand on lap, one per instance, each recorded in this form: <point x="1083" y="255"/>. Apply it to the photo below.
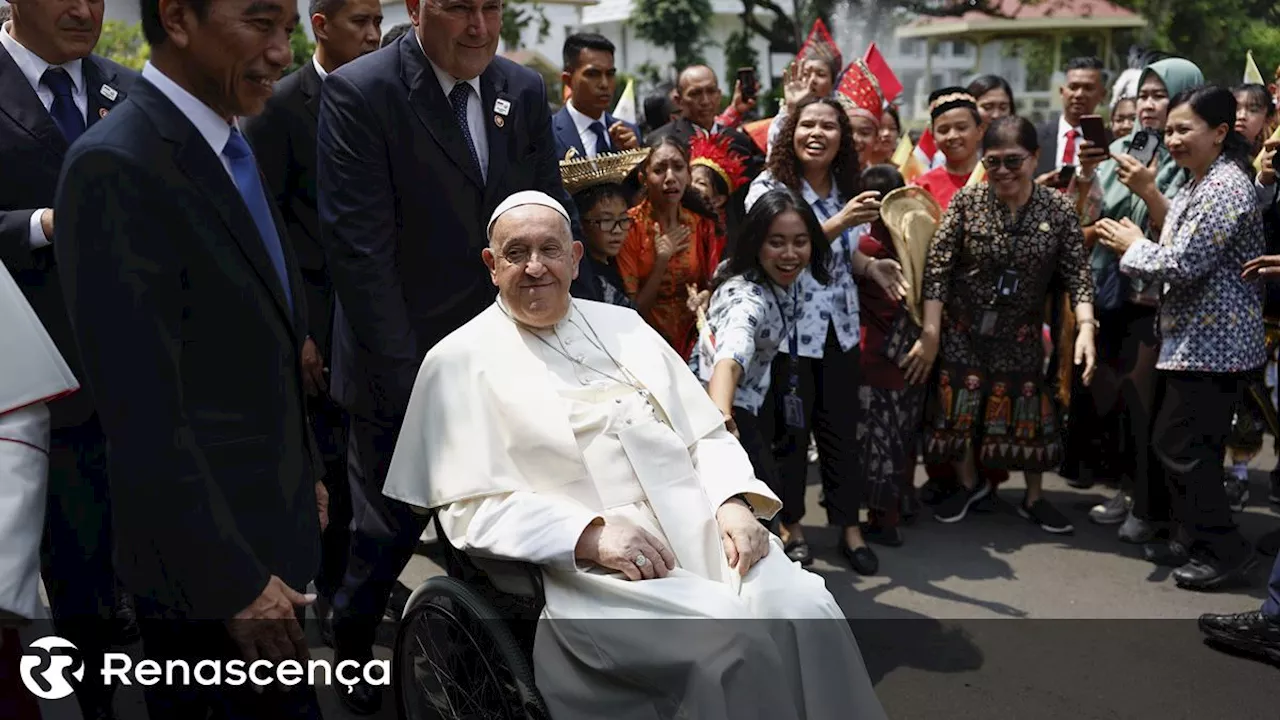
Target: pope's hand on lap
<point x="745" y="540"/>
<point x="630" y="550"/>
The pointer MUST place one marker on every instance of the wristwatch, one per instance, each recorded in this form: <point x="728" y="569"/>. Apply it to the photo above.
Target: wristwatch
<point x="745" y="501"/>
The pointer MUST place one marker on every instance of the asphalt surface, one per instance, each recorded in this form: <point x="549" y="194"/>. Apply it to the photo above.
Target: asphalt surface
<point x="994" y="618"/>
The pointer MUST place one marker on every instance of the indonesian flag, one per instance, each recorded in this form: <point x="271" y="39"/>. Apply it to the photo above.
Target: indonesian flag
<point x="890" y="85"/>
<point x="927" y="152"/>
<point x="904" y="158"/>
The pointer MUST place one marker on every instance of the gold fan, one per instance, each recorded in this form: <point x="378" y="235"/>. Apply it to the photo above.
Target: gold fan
<point x="912" y="215"/>
<point x="579" y="173"/>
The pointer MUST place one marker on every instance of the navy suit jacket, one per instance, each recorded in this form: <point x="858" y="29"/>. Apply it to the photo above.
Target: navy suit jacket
<point x="403" y="210"/>
<point x="192" y="353"/>
<point x="32" y="149"/>
<point x="567" y="133"/>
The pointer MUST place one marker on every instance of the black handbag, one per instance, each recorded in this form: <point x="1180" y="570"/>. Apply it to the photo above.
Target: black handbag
<point x="901" y="338"/>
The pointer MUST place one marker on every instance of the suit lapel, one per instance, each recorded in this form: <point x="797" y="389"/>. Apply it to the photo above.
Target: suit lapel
<point x="100" y="90"/>
<point x="493" y="96"/>
<point x="432" y="107"/>
<point x="198" y="162"/>
<point x="309" y="82"/>
<point x="23" y="106"/>
<point x="568" y="132"/>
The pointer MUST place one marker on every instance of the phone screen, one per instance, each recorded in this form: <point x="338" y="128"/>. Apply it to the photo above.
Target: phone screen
<point x="1065" y="173"/>
<point x="747" y="78"/>
<point x="1094" y="130"/>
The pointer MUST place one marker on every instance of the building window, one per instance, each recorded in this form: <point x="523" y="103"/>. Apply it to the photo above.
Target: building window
<point x="960" y="48"/>
<point x="910" y="47"/>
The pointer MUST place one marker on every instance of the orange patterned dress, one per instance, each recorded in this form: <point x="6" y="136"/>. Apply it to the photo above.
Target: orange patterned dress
<point x="670" y="315"/>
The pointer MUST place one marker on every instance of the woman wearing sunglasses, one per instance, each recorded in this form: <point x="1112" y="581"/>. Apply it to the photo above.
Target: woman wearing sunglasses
<point x="989" y="269"/>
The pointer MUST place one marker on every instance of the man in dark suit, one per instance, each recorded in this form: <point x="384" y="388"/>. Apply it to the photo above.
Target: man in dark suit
<point x="284" y="141"/>
<point x="189" y="312"/>
<point x="1060" y="137"/>
<point x="51" y="89"/>
<point x="584" y="124"/>
<point x="418" y="143"/>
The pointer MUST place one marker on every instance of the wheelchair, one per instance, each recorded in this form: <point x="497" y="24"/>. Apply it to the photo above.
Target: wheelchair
<point x="464" y="644"/>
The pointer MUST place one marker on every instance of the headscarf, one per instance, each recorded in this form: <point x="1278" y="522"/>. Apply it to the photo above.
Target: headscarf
<point x="1117" y="200"/>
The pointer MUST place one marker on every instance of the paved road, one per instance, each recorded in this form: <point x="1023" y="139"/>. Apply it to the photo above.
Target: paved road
<point x="995" y="618"/>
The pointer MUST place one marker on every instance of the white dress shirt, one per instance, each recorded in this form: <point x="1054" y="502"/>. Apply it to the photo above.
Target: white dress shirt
<point x="475" y="113"/>
<point x="1063" y="128"/>
<point x="212" y="126"/>
<point x="319" y="68"/>
<point x="582" y="124"/>
<point x="33" y="68"/>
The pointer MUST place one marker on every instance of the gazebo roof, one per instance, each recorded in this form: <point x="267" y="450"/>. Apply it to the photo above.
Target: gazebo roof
<point x="1027" y="18"/>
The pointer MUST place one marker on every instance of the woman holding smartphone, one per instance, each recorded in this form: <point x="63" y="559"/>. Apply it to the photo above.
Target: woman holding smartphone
<point x="1132" y="180"/>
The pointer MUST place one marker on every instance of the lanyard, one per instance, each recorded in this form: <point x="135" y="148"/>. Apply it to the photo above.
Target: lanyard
<point x="793" y="339"/>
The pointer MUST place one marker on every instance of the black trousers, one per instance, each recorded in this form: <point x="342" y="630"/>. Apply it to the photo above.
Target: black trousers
<point x="166" y="636"/>
<point x="330" y="425"/>
<point x="829" y="390"/>
<point x="384" y="534"/>
<point x="755" y="433"/>
<point x="1189" y="439"/>
<point x="76" y="550"/>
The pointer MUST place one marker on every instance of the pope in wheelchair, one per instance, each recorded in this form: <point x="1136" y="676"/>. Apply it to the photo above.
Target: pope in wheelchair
<point x="569" y="435"/>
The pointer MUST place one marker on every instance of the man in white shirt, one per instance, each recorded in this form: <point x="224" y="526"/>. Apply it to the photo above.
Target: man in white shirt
<point x="1082" y="91"/>
<point x="584" y="125"/>
<point x="51" y="90"/>
<point x="578" y="441"/>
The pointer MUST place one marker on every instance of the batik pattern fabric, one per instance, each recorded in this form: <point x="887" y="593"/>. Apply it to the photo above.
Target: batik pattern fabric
<point x="991" y="393"/>
<point x="888" y="429"/>
<point x="670" y="315"/>
<point x="1210" y="318"/>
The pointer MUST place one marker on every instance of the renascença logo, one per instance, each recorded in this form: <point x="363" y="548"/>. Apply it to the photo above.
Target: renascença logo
<point x="45" y="674"/>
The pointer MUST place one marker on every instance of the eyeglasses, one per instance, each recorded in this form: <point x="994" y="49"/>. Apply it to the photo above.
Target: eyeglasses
<point x="1010" y="162"/>
<point x="607" y="225"/>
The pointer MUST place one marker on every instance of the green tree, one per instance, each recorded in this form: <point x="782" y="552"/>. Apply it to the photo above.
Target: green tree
<point x="124" y="44"/>
<point x="302" y="48"/>
<point x="678" y="24"/>
<point x="517" y="17"/>
<point x="738" y="53"/>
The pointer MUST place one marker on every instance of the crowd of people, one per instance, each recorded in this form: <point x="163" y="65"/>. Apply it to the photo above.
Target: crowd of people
<point x="279" y="300"/>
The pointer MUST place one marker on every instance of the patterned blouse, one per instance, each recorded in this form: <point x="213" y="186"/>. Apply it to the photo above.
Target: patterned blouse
<point x="749" y="320"/>
<point x="837" y="302"/>
<point x="1210" y="319"/>
<point x="670" y="315"/>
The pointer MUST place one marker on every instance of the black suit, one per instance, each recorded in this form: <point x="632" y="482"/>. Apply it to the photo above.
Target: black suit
<point x="191" y="350"/>
<point x="284" y="141"/>
<point x="76" y="552"/>
<point x="403" y="212"/>
<point x="567" y="137"/>
<point x="1050" y="154"/>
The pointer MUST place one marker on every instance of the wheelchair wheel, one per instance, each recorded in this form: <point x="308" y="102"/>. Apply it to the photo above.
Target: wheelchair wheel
<point x="456" y="658"/>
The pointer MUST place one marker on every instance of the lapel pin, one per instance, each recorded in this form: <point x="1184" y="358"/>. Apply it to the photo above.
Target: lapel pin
<point x="109" y="93"/>
<point x="502" y="106"/>
<point x="497" y="120"/>
<point x="102" y="113"/>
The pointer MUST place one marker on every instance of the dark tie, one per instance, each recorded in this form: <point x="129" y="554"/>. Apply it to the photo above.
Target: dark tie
<point x="64" y="112"/>
<point x="245" y="171"/>
<point x="602" y="138"/>
<point x="458" y="99"/>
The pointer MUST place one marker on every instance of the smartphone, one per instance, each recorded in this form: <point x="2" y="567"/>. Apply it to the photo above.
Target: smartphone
<point x="747" y="78"/>
<point x="1065" y="173"/>
<point x="1144" y="146"/>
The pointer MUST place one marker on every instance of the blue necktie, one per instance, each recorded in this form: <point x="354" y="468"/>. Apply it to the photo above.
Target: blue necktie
<point x="602" y="138"/>
<point x="458" y="99"/>
<point x="245" y="171"/>
<point x="64" y="112"/>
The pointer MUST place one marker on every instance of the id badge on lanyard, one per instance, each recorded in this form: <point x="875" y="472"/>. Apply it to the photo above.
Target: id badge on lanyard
<point x="792" y="403"/>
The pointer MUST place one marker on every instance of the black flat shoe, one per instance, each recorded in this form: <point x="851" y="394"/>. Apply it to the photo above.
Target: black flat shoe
<point x="798" y="551"/>
<point x="882" y="535"/>
<point x="363" y="698"/>
<point x="863" y="559"/>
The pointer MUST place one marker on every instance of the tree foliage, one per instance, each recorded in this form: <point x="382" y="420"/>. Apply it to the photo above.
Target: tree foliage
<point x="303" y="48"/>
<point x="678" y="24"/>
<point x="517" y="17"/>
<point x="123" y="43"/>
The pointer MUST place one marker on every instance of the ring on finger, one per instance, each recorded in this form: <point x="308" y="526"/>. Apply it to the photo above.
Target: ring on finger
<point x="640" y="560"/>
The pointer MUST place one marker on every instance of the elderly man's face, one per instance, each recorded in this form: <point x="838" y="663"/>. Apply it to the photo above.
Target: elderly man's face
<point x="461" y="36"/>
<point x="532" y="259"/>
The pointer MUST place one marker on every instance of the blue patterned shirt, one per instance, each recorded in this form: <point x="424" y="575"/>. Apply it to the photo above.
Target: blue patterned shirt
<point x="836" y="303"/>
<point x="1210" y="319"/>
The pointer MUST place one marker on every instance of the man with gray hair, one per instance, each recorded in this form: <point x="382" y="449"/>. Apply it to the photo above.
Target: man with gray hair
<point x="578" y="441"/>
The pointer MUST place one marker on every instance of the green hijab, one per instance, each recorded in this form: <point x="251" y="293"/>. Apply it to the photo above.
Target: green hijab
<point x="1117" y="200"/>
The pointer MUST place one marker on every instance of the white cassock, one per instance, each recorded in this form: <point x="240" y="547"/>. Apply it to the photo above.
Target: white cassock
<point x="523" y="438"/>
<point x="32" y="372"/>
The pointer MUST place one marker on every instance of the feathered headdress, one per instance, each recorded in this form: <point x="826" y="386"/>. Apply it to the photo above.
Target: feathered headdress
<point x="579" y="173"/>
<point x="713" y="151"/>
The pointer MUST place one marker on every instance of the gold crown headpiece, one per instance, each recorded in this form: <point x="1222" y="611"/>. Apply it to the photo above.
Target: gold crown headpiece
<point x="579" y="173"/>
